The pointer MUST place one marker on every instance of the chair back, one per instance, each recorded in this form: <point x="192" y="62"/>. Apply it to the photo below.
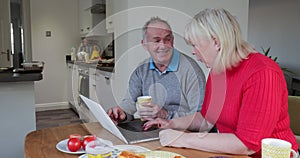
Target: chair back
<point x="294" y="112"/>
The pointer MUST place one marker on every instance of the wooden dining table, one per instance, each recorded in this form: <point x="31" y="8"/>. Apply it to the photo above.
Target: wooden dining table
<point x="42" y="143"/>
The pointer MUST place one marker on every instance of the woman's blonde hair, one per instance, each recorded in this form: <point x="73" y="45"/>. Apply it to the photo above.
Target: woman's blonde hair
<point x="219" y="24"/>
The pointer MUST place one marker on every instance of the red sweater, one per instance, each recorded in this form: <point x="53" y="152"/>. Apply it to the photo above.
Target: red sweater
<point x="250" y="101"/>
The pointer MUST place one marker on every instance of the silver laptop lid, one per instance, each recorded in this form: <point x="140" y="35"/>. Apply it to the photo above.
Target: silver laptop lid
<point x="129" y="132"/>
<point x="103" y="118"/>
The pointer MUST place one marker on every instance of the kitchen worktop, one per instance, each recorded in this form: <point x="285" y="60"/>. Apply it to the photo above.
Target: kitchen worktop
<point x="92" y="65"/>
<point x="10" y="76"/>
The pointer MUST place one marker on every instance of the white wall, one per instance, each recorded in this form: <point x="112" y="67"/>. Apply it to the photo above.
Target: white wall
<point x="275" y="24"/>
<point x="61" y="18"/>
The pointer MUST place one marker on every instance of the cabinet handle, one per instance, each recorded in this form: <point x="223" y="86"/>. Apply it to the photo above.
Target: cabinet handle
<point x="106" y="77"/>
<point x="8" y="55"/>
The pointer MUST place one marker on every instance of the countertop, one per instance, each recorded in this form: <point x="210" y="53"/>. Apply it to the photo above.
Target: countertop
<point x="10" y="76"/>
<point x="92" y="65"/>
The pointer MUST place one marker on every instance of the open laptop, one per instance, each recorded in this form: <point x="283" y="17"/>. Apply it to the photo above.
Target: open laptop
<point x="129" y="132"/>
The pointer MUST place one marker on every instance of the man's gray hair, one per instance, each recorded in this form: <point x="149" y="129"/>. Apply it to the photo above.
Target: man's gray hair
<point x="151" y="21"/>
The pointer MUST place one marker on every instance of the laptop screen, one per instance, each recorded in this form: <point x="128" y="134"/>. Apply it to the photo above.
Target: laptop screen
<point x="129" y="132"/>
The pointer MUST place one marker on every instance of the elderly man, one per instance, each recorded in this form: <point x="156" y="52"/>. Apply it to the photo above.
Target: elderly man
<point x="174" y="81"/>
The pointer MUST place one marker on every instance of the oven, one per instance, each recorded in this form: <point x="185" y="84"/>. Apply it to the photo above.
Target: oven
<point x="83" y="81"/>
<point x="83" y="89"/>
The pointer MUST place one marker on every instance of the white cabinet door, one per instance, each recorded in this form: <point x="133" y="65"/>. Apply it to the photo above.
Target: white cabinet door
<point x="74" y="95"/>
<point x="104" y="89"/>
<point x="92" y="84"/>
<point x="85" y="21"/>
<point x="109" y="17"/>
<point x="69" y="83"/>
<point x="5" y="40"/>
<point x="71" y="88"/>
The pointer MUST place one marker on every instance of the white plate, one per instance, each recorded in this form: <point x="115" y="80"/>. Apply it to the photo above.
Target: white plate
<point x="63" y="147"/>
<point x="119" y="148"/>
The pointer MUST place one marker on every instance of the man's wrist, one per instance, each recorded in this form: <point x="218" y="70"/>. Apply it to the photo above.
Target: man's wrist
<point x="127" y="118"/>
<point x="163" y="114"/>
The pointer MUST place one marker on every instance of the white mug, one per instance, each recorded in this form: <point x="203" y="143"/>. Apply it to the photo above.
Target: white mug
<point x="143" y="99"/>
<point x="277" y="148"/>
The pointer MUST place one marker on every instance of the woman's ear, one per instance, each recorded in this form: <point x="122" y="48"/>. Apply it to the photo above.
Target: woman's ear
<point x="216" y="43"/>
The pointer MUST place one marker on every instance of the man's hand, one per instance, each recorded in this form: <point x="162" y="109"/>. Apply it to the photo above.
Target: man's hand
<point x="150" y="111"/>
<point x="116" y="114"/>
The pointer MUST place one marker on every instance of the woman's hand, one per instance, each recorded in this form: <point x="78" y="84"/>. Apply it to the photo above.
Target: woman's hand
<point x="160" y="123"/>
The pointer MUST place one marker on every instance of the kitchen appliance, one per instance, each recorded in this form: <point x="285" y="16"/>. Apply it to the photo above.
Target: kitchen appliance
<point x="83" y="81"/>
<point x="83" y="89"/>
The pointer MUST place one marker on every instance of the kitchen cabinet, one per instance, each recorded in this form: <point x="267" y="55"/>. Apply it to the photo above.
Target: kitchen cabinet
<point x="91" y="12"/>
<point x="5" y="36"/>
<point x="101" y="89"/>
<point x="109" y="18"/>
<point x="92" y="84"/>
<point x="69" y="84"/>
<point x="75" y="79"/>
<point x="73" y="85"/>
<point x="104" y="89"/>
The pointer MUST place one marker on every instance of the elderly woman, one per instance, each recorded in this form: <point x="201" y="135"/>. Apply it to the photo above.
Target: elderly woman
<point x="246" y="93"/>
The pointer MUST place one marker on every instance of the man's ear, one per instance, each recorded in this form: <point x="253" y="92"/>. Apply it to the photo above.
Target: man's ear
<point x="216" y="43"/>
<point x="144" y="45"/>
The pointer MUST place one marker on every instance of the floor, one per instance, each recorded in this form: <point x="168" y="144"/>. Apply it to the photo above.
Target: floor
<point x="53" y="118"/>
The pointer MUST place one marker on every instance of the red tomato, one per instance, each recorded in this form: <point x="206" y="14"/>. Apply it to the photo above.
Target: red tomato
<point x="74" y="144"/>
<point x="87" y="139"/>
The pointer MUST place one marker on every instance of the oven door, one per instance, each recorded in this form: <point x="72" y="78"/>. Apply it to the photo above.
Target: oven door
<point x="84" y="112"/>
<point x="83" y="86"/>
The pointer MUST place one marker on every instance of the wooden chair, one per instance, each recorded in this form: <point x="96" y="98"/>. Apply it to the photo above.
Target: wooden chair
<point x="294" y="112"/>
